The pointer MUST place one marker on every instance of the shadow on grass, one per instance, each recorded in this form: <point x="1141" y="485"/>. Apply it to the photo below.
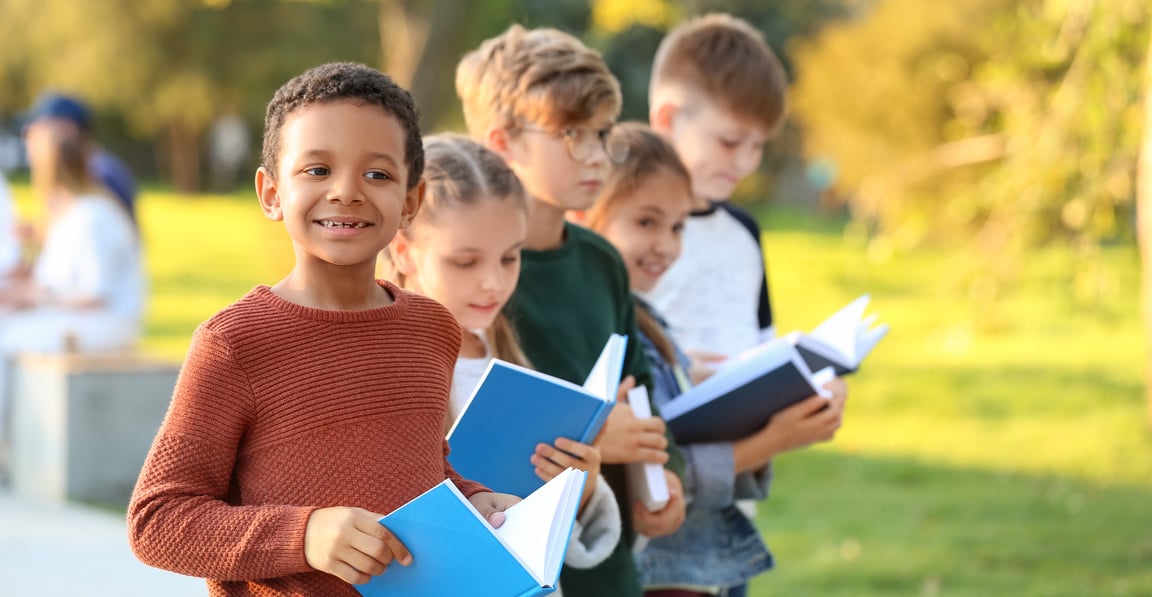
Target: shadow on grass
<point x="856" y="525"/>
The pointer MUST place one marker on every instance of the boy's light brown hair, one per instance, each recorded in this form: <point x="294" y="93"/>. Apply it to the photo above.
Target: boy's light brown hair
<point x="728" y="62"/>
<point x="540" y="76"/>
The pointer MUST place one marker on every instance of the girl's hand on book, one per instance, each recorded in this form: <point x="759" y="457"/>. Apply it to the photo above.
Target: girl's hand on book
<point x="666" y="520"/>
<point x="351" y="544"/>
<point x="626" y="438"/>
<point x="553" y="460"/>
<point x="492" y="505"/>
<point x="814" y="419"/>
<point x="702" y="364"/>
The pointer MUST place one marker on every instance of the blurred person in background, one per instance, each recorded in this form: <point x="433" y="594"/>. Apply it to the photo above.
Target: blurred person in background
<point x="60" y="116"/>
<point x="228" y="150"/>
<point x="86" y="289"/>
<point x="9" y="241"/>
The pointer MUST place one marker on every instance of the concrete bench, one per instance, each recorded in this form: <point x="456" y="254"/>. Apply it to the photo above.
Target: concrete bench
<point x="82" y="424"/>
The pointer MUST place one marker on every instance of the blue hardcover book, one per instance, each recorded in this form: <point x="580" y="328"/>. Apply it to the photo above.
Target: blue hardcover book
<point x="456" y="552"/>
<point x="514" y="408"/>
<point x="741" y="396"/>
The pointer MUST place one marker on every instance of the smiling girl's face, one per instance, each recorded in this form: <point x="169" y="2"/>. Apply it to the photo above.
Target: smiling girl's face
<point x="646" y="227"/>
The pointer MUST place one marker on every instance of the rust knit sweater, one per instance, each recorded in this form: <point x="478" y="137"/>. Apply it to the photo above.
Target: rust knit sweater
<point x="280" y="410"/>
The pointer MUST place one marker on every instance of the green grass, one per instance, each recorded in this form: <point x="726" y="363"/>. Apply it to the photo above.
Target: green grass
<point x="997" y="450"/>
<point x="983" y="453"/>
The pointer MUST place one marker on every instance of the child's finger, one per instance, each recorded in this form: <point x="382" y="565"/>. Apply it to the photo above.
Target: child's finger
<point x="705" y="356"/>
<point x="807" y="406"/>
<point x="650" y="455"/>
<point x="578" y="450"/>
<point x="654" y="440"/>
<point x="348" y="574"/>
<point x="398" y="550"/>
<point x="372" y="562"/>
<point x="389" y="546"/>
<point x="626" y="384"/>
<point x="652" y="425"/>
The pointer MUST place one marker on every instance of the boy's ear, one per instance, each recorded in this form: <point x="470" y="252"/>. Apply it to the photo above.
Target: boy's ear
<point x="413" y="201"/>
<point x="268" y="195"/>
<point x="662" y="116"/>
<point x="496" y="139"/>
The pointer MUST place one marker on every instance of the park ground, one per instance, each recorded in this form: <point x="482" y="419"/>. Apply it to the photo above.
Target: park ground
<point x="989" y="448"/>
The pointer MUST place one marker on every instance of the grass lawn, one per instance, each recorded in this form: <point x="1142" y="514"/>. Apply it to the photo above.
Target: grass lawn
<point x="972" y="462"/>
<point x="1003" y="459"/>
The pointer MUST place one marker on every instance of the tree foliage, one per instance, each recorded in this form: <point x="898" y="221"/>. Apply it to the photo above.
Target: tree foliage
<point x="167" y="68"/>
<point x="1000" y="123"/>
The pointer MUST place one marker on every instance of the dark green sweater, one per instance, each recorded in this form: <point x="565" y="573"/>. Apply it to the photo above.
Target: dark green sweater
<point x="567" y="303"/>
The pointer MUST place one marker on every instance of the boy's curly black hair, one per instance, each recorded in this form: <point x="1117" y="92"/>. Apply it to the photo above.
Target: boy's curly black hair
<point x="337" y="81"/>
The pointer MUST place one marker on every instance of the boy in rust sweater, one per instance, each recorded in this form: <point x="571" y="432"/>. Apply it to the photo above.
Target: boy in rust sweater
<point x="307" y="410"/>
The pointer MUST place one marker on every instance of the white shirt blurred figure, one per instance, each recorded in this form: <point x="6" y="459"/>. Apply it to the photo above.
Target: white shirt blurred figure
<point x="86" y="292"/>
<point x="9" y="240"/>
<point x="228" y="145"/>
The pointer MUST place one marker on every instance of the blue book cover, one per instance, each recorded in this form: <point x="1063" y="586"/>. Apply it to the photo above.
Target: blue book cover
<point x="514" y="408"/>
<point x="742" y="396"/>
<point x="456" y="552"/>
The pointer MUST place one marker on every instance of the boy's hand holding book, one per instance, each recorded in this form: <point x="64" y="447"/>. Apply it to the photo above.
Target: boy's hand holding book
<point x="553" y="460"/>
<point x="491" y="505"/>
<point x="666" y="520"/>
<point x="627" y="438"/>
<point x="702" y="364"/>
<point x="351" y="544"/>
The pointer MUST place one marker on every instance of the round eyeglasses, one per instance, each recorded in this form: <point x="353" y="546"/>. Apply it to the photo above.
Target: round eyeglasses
<point x="584" y="141"/>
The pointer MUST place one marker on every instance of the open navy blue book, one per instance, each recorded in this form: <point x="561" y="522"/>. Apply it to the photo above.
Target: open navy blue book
<point x="514" y="408"/>
<point x="841" y="341"/>
<point x="742" y="395"/>
<point x="456" y="552"/>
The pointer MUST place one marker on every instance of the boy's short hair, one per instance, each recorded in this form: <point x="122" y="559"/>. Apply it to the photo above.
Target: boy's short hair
<point x="648" y="154"/>
<point x="542" y="76"/>
<point x="728" y="62"/>
<point x="337" y="81"/>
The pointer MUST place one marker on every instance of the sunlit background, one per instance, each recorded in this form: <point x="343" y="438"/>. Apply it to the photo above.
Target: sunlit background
<point x="973" y="164"/>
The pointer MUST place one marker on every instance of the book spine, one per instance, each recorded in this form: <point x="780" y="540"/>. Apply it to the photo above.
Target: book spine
<point x="597" y="422"/>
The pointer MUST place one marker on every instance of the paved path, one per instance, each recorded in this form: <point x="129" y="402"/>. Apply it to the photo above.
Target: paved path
<point x="70" y="549"/>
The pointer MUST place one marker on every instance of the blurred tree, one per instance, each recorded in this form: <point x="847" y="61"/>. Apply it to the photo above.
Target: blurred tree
<point x="999" y="124"/>
<point x="1144" y="225"/>
<point x="422" y="40"/>
<point x="167" y="66"/>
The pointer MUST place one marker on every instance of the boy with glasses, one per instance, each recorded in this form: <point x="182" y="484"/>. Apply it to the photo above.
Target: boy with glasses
<point x="547" y="104"/>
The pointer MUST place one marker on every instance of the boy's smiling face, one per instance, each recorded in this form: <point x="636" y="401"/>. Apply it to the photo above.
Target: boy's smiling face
<point x="341" y="183"/>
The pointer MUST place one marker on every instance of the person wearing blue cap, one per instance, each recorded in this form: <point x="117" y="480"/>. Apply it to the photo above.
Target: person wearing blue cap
<point x="68" y="117"/>
<point x="86" y="291"/>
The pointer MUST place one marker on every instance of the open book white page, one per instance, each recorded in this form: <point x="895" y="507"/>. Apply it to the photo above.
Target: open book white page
<point x="867" y="336"/>
<point x="536" y="529"/>
<point x="840" y="330"/>
<point x="605" y="375"/>
<point x="646" y="480"/>
<point x="846" y="337"/>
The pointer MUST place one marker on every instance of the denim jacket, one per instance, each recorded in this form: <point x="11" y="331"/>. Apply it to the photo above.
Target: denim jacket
<point x="717" y="546"/>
